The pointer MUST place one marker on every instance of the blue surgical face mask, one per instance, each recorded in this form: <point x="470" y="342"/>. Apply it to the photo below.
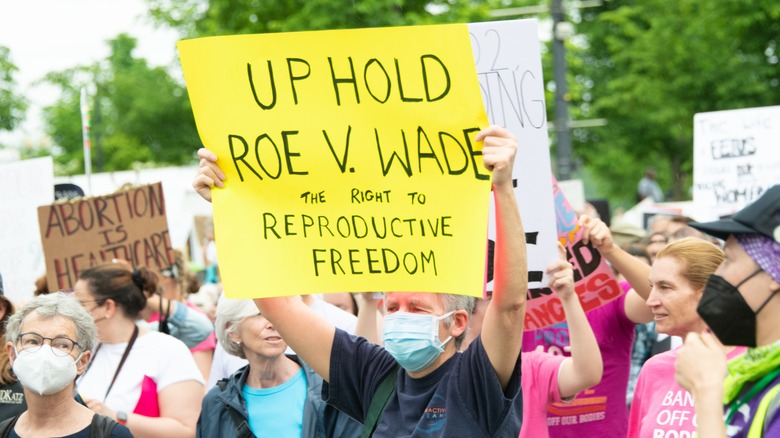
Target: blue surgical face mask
<point x="413" y="339"/>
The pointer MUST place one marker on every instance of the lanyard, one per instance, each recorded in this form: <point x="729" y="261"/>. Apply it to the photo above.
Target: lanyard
<point x="758" y="387"/>
<point x="163" y="321"/>
<point x="121" y="361"/>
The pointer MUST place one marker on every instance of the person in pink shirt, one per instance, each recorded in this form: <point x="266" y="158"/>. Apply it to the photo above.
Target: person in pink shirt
<point x="661" y="407"/>
<point x="739" y="398"/>
<point x="547" y="378"/>
<point x="600" y="411"/>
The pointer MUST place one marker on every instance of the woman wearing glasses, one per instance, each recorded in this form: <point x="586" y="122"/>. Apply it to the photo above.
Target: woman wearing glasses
<point x="50" y="342"/>
<point x="144" y="379"/>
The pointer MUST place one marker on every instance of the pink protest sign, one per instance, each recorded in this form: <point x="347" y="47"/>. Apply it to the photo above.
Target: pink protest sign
<point x="593" y="278"/>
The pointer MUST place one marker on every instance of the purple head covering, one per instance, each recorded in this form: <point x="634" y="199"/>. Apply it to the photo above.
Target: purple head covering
<point x="764" y="251"/>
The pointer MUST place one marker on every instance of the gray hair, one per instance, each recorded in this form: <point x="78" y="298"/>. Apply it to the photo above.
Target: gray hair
<point x="451" y="303"/>
<point x="230" y="314"/>
<point x="51" y="306"/>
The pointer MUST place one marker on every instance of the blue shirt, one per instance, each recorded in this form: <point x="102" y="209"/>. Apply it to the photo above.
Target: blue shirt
<point x="277" y="411"/>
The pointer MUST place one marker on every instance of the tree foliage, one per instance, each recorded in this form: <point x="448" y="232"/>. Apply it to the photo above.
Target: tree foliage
<point x="142" y="115"/>
<point x="653" y="64"/>
<point x="647" y="66"/>
<point x="12" y="105"/>
<point x="139" y="114"/>
<point x="196" y="18"/>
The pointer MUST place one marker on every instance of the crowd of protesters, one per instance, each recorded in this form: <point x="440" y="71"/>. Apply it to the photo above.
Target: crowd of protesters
<point x="691" y="345"/>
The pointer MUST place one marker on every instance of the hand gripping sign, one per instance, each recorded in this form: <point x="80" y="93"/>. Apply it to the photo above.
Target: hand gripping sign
<point x="350" y="162"/>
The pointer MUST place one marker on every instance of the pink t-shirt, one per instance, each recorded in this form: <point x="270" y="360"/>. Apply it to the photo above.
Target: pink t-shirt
<point x="600" y="411"/>
<point x="539" y="381"/>
<point x="661" y="407"/>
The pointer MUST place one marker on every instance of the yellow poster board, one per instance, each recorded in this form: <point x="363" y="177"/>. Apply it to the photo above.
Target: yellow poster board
<point x="350" y="159"/>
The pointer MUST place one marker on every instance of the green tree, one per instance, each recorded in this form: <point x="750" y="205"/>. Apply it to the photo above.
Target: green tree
<point x="653" y="64"/>
<point x="196" y="18"/>
<point x="12" y="105"/>
<point x="139" y="114"/>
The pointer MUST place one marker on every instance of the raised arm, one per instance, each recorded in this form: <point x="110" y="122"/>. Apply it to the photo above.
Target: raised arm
<point x="584" y="368"/>
<point x="308" y="334"/>
<point x="367" y="321"/>
<point x="502" y="328"/>
<point x="636" y="271"/>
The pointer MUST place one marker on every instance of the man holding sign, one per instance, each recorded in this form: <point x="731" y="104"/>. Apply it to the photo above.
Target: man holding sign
<point x="344" y="155"/>
<point x="436" y="391"/>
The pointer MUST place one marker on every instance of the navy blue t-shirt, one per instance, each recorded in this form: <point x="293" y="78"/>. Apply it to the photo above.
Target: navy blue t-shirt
<point x="119" y="431"/>
<point x="462" y="397"/>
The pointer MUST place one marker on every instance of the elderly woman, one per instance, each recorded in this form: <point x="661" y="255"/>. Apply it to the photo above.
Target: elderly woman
<point x="275" y="395"/>
<point x="741" y="306"/>
<point x="677" y="278"/>
<point x="144" y="379"/>
<point x="50" y="342"/>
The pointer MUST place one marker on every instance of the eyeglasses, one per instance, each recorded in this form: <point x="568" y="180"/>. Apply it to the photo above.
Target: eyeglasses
<point x="60" y="346"/>
<point x="84" y="304"/>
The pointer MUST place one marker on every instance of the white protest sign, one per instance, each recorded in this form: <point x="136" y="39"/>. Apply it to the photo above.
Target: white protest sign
<point x="28" y="184"/>
<point x="736" y="156"/>
<point x="509" y="67"/>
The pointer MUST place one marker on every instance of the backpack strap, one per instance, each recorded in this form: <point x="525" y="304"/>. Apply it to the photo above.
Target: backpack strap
<point x="379" y="401"/>
<point x="243" y="430"/>
<point x="6" y="426"/>
<point x="101" y="426"/>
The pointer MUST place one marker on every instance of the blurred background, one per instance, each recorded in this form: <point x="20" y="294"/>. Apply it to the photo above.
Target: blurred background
<point x="624" y="78"/>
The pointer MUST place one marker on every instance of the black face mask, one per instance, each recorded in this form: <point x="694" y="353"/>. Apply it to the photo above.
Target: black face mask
<point x="726" y="312"/>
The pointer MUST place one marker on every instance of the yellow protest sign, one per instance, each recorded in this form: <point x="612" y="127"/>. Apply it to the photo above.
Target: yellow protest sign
<point x="350" y="159"/>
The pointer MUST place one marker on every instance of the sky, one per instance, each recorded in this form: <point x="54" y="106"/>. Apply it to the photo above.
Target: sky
<point x="52" y="35"/>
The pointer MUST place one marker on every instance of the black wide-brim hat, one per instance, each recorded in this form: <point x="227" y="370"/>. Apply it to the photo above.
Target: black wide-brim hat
<point x="760" y="217"/>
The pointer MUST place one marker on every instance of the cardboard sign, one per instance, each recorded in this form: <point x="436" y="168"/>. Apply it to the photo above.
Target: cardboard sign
<point x="594" y="281"/>
<point x="129" y="225"/>
<point x="27" y="185"/>
<point x="351" y="163"/>
<point x="736" y="156"/>
<point x="509" y="68"/>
